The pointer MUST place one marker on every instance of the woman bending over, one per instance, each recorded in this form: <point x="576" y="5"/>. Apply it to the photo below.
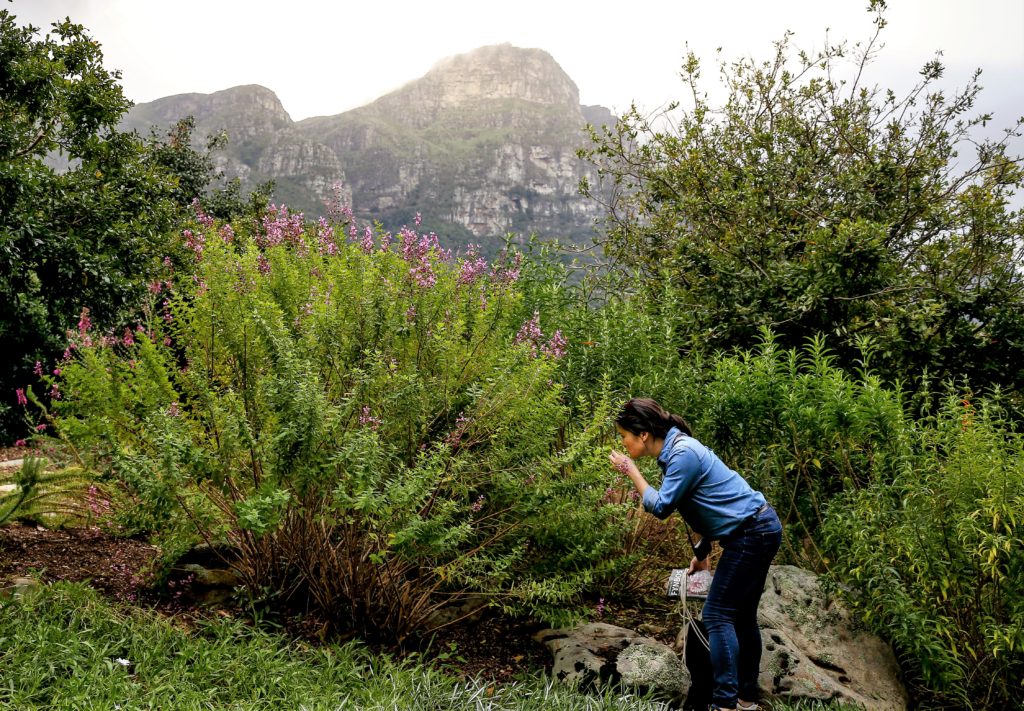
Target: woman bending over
<point x="719" y="505"/>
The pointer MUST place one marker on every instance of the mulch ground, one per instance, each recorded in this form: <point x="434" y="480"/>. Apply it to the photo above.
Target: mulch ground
<point x="494" y="647"/>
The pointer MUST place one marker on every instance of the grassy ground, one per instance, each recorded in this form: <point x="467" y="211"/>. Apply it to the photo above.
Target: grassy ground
<point x="62" y="646"/>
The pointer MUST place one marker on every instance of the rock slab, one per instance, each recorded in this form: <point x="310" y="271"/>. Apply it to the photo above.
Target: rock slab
<point x="815" y="651"/>
<point x="600" y="656"/>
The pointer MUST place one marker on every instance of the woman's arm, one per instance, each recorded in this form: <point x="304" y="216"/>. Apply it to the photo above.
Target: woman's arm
<point x="681" y="474"/>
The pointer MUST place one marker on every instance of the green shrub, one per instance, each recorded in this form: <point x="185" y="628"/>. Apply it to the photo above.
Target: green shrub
<point x="795" y="425"/>
<point x="371" y="424"/>
<point x="935" y="557"/>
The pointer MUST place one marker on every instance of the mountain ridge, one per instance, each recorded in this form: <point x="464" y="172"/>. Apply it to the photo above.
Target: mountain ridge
<point x="482" y="145"/>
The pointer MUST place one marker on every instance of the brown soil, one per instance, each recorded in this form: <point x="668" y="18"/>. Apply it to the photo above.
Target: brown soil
<point x="494" y="647"/>
<point x="7" y="453"/>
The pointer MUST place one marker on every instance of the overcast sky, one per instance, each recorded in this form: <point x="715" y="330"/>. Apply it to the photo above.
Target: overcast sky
<point x="326" y="57"/>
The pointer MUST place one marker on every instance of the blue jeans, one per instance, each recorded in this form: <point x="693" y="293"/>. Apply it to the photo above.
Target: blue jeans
<point x="730" y="612"/>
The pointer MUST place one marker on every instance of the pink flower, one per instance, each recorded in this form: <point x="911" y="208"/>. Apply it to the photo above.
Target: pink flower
<point x="38" y="369"/>
<point x="325" y="238"/>
<point x="20" y="443"/>
<point x="336" y="208"/>
<point x="40" y="428"/>
<point x="368" y="420"/>
<point x="367" y="243"/>
<point x="22" y="400"/>
<point x="128" y="339"/>
<point x="204" y="219"/>
<point x="423" y="275"/>
<point x="419" y="219"/>
<point x="473" y="267"/>
<point x="195" y="242"/>
<point x="455" y="436"/>
<point x="505" y="273"/>
<point x="84" y="324"/>
<point x="227" y="233"/>
<point x="556" y="346"/>
<point x="622" y="465"/>
<point x="278" y="226"/>
<point x="56" y="371"/>
<point x="478" y="504"/>
<point x="530" y="333"/>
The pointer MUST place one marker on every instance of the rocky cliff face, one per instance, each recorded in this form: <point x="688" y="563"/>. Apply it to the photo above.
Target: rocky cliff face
<point x="485" y="142"/>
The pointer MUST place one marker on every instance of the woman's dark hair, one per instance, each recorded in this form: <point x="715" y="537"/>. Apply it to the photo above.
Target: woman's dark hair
<point x="642" y="414"/>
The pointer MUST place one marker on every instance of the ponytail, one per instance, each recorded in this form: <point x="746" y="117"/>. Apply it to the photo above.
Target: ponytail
<point x="643" y="414"/>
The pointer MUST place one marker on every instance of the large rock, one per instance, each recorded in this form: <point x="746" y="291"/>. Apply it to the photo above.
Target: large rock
<point x="813" y="650"/>
<point x="599" y="656"/>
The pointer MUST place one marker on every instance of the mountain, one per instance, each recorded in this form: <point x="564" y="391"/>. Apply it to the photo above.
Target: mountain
<point x="482" y="145"/>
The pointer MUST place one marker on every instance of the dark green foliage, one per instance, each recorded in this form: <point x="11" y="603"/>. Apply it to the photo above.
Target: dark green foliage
<point x="90" y="236"/>
<point x="82" y="238"/>
<point x="816" y="205"/>
<point x="197" y="175"/>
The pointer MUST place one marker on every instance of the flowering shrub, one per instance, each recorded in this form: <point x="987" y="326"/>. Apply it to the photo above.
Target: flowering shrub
<point x="366" y="419"/>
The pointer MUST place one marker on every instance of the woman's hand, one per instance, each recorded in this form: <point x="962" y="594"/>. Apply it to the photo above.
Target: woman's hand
<point x="696" y="565"/>
<point x="627" y="466"/>
<point x="622" y="463"/>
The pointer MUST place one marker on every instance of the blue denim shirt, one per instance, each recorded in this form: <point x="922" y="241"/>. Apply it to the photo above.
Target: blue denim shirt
<point x="712" y="498"/>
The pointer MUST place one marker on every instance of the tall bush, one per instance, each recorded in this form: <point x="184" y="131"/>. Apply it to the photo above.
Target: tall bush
<point x="934" y="559"/>
<point x="812" y="202"/>
<point x="794" y="423"/>
<point x="366" y="418"/>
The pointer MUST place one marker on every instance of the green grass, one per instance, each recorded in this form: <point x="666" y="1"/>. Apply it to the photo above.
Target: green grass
<point x="60" y="646"/>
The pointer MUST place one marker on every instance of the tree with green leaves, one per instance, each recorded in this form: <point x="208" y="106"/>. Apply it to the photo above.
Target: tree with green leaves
<point x="813" y="204"/>
<point x="90" y="235"/>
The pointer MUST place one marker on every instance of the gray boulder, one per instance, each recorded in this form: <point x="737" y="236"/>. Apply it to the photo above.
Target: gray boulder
<point x="600" y="656"/>
<point x="813" y="649"/>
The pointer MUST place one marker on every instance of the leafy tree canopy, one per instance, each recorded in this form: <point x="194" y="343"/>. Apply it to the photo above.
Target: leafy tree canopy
<point x="813" y="204"/>
<point x="88" y="236"/>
